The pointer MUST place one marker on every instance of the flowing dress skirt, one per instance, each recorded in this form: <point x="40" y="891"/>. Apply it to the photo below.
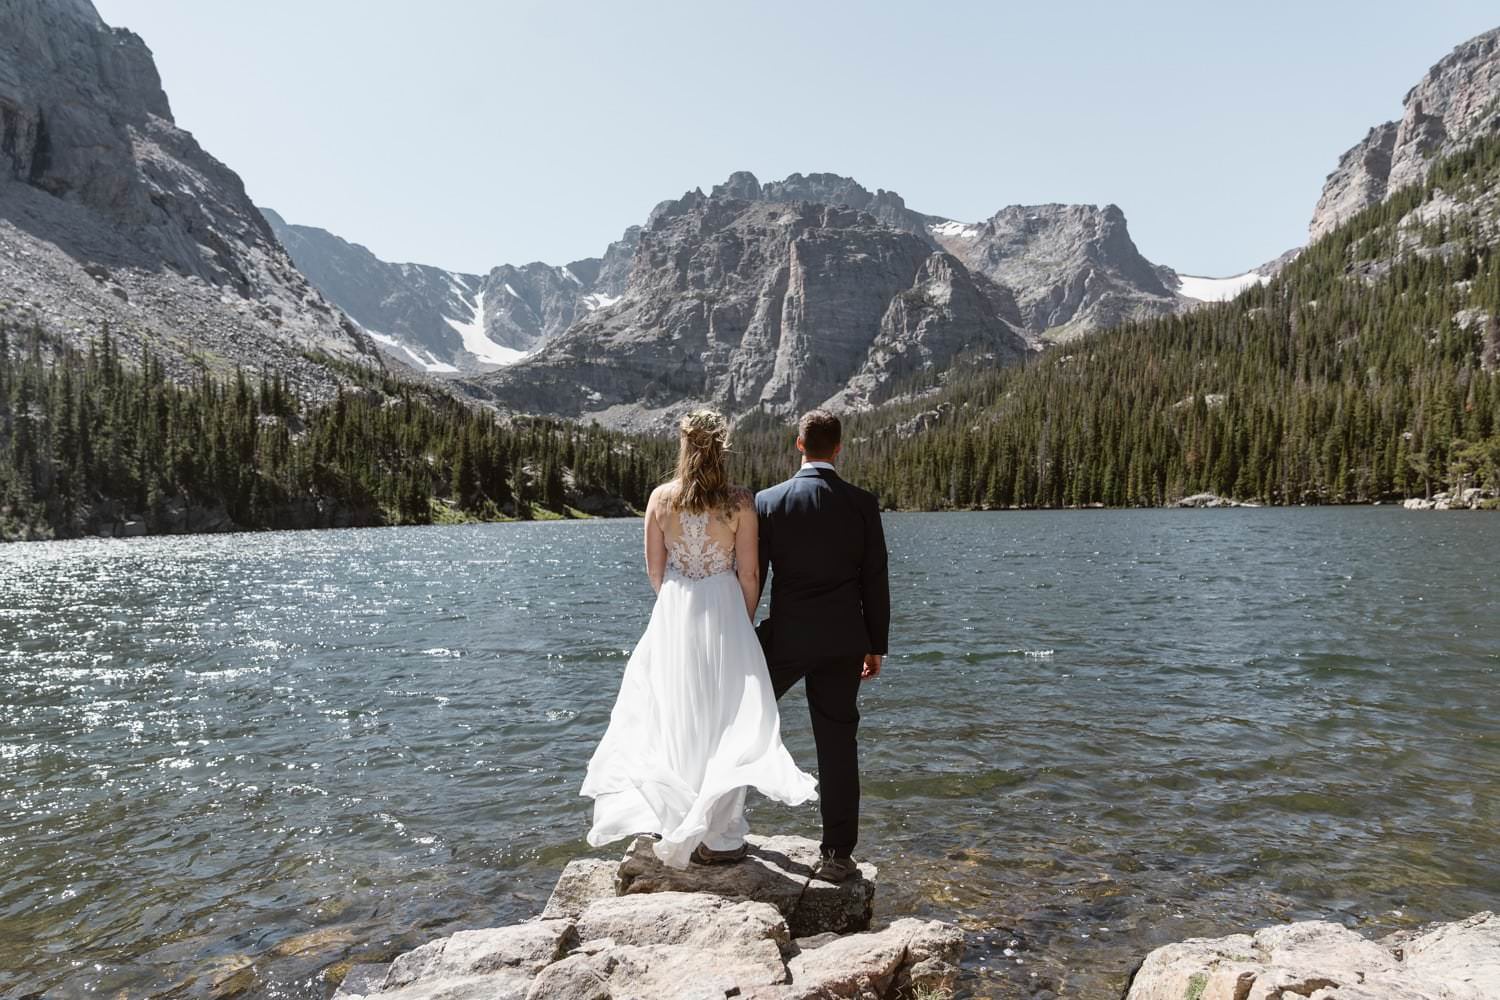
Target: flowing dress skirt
<point x="694" y="725"/>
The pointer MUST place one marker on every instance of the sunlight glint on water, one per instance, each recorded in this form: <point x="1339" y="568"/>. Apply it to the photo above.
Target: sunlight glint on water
<point x="1100" y="731"/>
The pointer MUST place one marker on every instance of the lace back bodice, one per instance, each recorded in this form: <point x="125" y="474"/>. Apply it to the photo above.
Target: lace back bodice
<point x="694" y="553"/>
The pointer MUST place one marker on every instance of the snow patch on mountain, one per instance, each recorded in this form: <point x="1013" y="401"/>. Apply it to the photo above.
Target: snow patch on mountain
<point x="424" y="361"/>
<point x="1193" y="286"/>
<point x="598" y="300"/>
<point x="475" y="340"/>
<point x="954" y="230"/>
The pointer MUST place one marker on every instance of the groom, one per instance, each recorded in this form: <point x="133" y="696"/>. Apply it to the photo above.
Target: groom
<point x="830" y="616"/>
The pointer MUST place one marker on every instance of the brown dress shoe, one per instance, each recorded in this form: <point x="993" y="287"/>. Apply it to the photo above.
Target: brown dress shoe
<point x="707" y="856"/>
<point x="836" y="870"/>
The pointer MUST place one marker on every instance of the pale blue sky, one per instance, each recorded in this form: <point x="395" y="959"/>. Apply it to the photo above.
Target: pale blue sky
<point x="467" y="133"/>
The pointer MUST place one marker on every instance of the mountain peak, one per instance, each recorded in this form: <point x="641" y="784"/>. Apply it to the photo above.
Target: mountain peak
<point x="741" y="184"/>
<point x="1455" y="101"/>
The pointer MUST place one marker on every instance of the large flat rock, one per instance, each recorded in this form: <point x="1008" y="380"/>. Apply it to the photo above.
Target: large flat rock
<point x="777" y="871"/>
<point x="582" y="881"/>
<point x="682" y="918"/>
<point x="1324" y="961"/>
<point x="637" y="930"/>
<point x="910" y="957"/>
<point x="660" y="972"/>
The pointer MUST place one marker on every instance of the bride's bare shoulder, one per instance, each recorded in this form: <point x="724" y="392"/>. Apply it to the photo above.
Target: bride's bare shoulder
<point x="660" y="502"/>
<point x="741" y="497"/>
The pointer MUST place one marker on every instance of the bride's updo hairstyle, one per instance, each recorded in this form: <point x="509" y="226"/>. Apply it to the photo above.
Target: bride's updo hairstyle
<point x="702" y="466"/>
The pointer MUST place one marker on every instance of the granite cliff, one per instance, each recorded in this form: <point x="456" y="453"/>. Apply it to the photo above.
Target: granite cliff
<point x="110" y="213"/>
<point x="1458" y="99"/>
<point x="756" y="305"/>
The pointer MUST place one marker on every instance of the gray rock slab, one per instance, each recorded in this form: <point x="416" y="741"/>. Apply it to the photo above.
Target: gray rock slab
<point x="520" y="950"/>
<point x="778" y="871"/>
<point x="661" y="972"/>
<point x="582" y="881"/>
<point x="681" y="918"/>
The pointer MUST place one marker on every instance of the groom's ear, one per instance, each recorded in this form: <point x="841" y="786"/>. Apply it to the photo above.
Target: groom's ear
<point x="801" y="445"/>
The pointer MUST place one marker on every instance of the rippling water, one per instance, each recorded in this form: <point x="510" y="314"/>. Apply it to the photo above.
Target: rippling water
<point x="228" y="762"/>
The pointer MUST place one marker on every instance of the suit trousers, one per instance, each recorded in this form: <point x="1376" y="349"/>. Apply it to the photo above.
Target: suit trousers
<point x="832" y="701"/>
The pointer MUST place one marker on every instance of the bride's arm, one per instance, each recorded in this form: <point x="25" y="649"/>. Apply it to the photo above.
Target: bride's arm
<point x="656" y="543"/>
<point x="747" y="549"/>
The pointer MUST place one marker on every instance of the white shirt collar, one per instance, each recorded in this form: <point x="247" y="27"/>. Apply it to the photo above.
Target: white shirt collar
<point x="814" y="464"/>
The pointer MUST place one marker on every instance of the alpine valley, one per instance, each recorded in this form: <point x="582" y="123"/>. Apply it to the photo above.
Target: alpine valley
<point x="174" y="359"/>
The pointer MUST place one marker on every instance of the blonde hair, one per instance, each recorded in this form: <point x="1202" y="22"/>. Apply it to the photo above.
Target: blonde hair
<point x="702" y="466"/>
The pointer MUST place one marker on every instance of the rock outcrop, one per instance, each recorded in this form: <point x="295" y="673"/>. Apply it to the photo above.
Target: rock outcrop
<point x="1210" y="500"/>
<point x="110" y="213"/>
<point x="761" y="306"/>
<point x="1458" y="99"/>
<point x="1469" y="498"/>
<point x="1325" y="961"/>
<point x="840" y="192"/>
<point x="1071" y="268"/>
<point x="761" y="929"/>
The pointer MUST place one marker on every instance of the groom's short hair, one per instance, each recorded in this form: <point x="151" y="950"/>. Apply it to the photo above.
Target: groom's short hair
<point x="820" y="432"/>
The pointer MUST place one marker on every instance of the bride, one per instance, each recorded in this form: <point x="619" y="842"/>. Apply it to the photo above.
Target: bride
<point x="695" y="723"/>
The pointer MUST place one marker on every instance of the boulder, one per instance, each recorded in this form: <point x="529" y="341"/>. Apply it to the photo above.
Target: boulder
<point x="682" y="918"/>
<point x="1207" y="500"/>
<point x="496" y="963"/>
<point x="1325" y="961"/>
<point x="1464" y="954"/>
<point x="583" y="881"/>
<point x="909" y="956"/>
<point x="661" y="972"/>
<point x="778" y="871"/>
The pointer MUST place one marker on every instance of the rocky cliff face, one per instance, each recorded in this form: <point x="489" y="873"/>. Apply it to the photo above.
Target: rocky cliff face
<point x="1458" y="99"/>
<point x="111" y="213"/>
<point x="1072" y="268"/>
<point x="1047" y="272"/>
<point x="763" y="305"/>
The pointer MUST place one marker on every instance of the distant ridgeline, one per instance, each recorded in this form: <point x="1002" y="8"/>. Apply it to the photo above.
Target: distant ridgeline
<point x="1367" y="370"/>
<point x="90" y="444"/>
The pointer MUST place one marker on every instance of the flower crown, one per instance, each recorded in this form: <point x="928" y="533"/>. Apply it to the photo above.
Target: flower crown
<point x="703" y="428"/>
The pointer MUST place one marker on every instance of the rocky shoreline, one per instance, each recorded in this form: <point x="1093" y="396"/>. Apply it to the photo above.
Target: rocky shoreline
<point x="762" y="929"/>
<point x="1325" y="961"/>
<point x="1472" y="498"/>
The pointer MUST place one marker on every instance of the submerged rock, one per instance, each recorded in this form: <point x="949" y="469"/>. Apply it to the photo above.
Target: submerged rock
<point x="1325" y="961"/>
<point x="761" y="928"/>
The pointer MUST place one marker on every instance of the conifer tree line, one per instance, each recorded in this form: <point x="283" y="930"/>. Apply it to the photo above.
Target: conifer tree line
<point x="88" y="439"/>
<point x="1369" y="369"/>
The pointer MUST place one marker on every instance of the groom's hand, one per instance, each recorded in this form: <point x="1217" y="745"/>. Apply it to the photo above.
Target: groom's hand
<point x="871" y="667"/>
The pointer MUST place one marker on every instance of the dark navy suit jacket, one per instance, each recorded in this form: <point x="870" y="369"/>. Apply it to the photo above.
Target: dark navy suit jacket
<point x="830" y="595"/>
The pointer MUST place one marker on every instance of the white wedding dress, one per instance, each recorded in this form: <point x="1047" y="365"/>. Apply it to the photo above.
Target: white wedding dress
<point x="695" y="723"/>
